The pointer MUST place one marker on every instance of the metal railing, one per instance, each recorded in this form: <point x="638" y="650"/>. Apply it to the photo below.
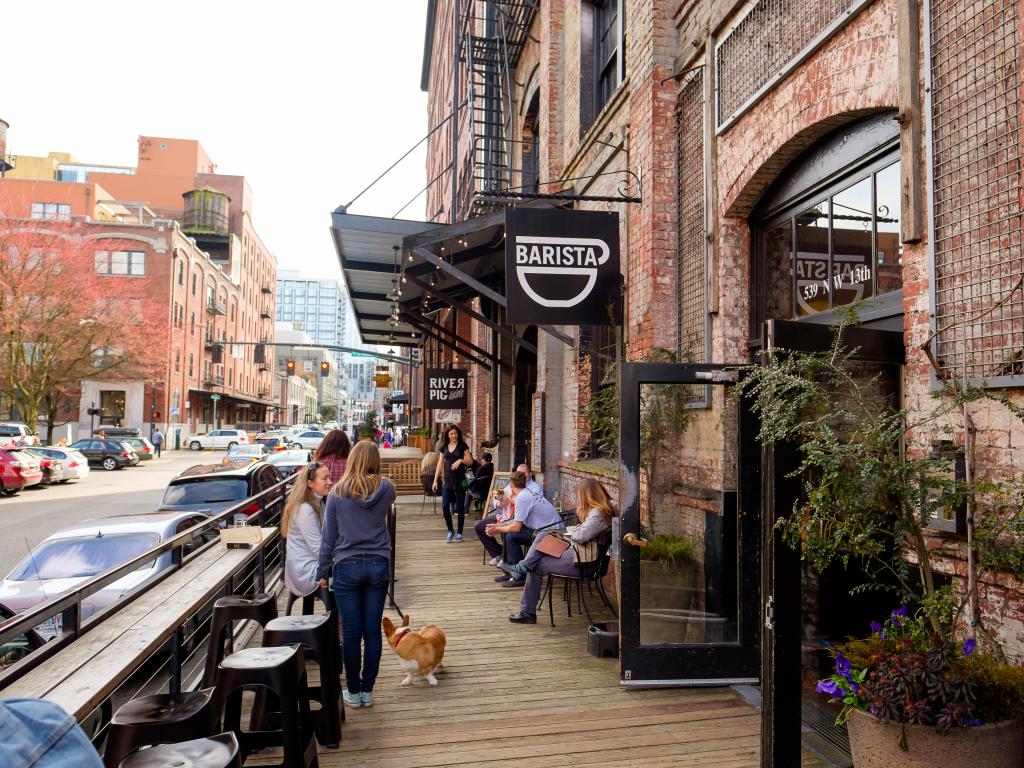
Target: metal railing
<point x="266" y="567"/>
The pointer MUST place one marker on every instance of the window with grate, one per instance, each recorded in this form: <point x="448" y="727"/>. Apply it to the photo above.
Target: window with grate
<point x="766" y="43"/>
<point x="608" y="44"/>
<point x="690" y="263"/>
<point x="976" y="175"/>
<point x="598" y="342"/>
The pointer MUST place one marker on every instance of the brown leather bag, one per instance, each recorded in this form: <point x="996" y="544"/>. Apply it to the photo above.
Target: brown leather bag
<point x="552" y="545"/>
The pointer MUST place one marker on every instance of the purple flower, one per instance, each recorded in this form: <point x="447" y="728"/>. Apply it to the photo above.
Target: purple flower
<point x="973" y="722"/>
<point x="829" y="687"/>
<point x="876" y="628"/>
<point x="899" y="613"/>
<point x="969" y="644"/>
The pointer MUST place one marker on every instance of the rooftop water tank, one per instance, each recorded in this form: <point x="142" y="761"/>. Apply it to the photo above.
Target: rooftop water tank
<point x="206" y="212"/>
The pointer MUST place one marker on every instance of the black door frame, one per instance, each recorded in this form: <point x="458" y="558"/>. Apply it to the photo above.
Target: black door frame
<point x="781" y="689"/>
<point x="686" y="665"/>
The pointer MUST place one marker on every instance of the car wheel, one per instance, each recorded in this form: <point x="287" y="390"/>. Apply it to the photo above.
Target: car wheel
<point x="195" y="445"/>
<point x="109" y="464"/>
<point x="231" y="445"/>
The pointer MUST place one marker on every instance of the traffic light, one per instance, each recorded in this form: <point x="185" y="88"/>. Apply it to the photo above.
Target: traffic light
<point x="325" y="369"/>
<point x="290" y="366"/>
<point x="154" y="416"/>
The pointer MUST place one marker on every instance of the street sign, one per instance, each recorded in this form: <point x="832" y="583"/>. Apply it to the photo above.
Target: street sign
<point x="361" y="354"/>
<point x="382" y="380"/>
<point x="215" y="397"/>
<point x="307" y="366"/>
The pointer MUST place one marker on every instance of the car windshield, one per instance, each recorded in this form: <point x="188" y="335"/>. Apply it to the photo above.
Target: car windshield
<point x="84" y="556"/>
<point x="22" y="456"/>
<point x="206" y="491"/>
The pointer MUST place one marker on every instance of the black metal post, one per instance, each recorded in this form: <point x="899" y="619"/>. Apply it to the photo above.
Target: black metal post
<point x="177" y="643"/>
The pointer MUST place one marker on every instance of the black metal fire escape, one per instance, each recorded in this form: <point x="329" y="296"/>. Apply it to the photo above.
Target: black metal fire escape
<point x="493" y="35"/>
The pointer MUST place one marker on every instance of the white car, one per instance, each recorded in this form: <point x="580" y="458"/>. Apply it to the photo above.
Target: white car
<point x="19" y="433"/>
<point x="218" y="438"/>
<point x="76" y="466"/>
<point x="310" y="439"/>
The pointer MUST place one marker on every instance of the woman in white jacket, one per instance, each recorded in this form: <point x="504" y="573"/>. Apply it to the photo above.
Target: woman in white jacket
<point x="302" y="525"/>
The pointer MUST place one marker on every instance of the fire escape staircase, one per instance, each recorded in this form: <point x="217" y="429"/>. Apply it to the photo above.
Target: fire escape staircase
<point x="490" y="60"/>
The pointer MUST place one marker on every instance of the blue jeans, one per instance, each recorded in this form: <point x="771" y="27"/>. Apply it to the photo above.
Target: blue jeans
<point x="514" y="543"/>
<point x="454" y="497"/>
<point x="360" y="589"/>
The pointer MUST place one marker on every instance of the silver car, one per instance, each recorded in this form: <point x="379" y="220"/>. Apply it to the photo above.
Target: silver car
<point x="72" y="555"/>
<point x="76" y="466"/>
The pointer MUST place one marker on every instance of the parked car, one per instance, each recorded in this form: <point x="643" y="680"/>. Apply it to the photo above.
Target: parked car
<point x="109" y="454"/>
<point x="252" y="452"/>
<point x="18" y="470"/>
<point x="53" y="470"/>
<point x="76" y="466"/>
<point x="311" y="439"/>
<point x="218" y="438"/>
<point x="290" y="462"/>
<point x="273" y="442"/>
<point x="19" y="433"/>
<point x="141" y="446"/>
<point x="116" y="432"/>
<point x="68" y="557"/>
<point x="212" y="488"/>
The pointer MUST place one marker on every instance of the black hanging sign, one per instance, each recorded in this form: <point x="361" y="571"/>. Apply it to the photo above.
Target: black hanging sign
<point x="562" y="267"/>
<point x="446" y="387"/>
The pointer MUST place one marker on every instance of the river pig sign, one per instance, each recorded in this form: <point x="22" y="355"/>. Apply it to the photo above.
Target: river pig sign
<point x="446" y="387"/>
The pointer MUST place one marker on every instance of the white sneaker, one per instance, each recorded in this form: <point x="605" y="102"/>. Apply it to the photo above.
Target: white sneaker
<point x="494" y="560"/>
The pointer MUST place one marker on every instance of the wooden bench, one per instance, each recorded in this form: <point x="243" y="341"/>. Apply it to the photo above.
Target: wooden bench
<point x="405" y="475"/>
<point x="81" y="676"/>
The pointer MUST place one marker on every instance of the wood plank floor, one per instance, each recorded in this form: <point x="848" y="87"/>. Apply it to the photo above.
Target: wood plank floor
<point x="523" y="695"/>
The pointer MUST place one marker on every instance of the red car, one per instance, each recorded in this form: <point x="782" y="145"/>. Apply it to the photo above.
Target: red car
<point x="18" y="470"/>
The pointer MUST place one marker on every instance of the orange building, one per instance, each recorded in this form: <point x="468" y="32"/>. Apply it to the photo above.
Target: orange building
<point x="189" y="233"/>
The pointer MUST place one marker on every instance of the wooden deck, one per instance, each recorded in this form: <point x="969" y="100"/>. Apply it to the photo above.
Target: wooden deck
<point x="521" y="695"/>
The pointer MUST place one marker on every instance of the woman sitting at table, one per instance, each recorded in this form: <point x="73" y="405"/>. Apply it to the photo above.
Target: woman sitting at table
<point x="302" y="524"/>
<point x="537" y="564"/>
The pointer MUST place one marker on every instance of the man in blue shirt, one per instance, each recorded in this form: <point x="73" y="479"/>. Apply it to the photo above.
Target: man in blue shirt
<point x="533" y="512"/>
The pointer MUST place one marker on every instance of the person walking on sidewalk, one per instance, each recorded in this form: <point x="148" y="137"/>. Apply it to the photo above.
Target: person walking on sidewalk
<point x="158" y="441"/>
<point x="356" y="551"/>
<point x="455" y="459"/>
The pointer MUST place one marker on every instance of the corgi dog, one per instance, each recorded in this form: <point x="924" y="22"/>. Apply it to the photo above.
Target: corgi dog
<point x="418" y="651"/>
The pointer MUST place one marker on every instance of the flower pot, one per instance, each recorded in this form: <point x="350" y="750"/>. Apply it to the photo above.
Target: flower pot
<point x="876" y="745"/>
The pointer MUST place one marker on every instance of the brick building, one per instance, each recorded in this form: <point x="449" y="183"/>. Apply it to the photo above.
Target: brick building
<point x="782" y="160"/>
<point x="189" y="240"/>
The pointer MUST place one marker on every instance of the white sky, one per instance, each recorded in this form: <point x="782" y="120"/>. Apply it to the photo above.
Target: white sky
<point x="310" y="101"/>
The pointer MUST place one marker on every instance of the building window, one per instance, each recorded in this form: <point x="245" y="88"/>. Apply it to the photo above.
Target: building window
<point x="191" y="360"/>
<point x="121" y="263"/>
<point x="112" y="407"/>
<point x="834" y="239"/>
<point x="181" y="271"/>
<point x="598" y="342"/>
<point x="608" y="51"/>
<point x="51" y="211"/>
<point x="177" y="360"/>
<point x="192" y="324"/>
<point x="193" y="283"/>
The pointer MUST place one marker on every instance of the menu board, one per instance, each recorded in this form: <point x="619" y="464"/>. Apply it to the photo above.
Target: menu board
<point x="499" y="486"/>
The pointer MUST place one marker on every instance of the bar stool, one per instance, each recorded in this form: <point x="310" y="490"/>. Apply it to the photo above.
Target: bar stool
<point x="282" y="671"/>
<point x="259" y="607"/>
<point x="318" y="635"/>
<point x="309" y="601"/>
<point x="159" y="719"/>
<point x="215" y="752"/>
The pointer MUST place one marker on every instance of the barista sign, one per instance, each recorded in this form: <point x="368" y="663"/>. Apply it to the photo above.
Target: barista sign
<point x="446" y="387"/>
<point x="562" y="267"/>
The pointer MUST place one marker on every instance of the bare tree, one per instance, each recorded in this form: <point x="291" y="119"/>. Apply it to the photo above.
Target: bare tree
<point x="61" y="321"/>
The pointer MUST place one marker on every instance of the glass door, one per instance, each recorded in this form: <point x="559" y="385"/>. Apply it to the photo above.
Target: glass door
<point x="689" y="547"/>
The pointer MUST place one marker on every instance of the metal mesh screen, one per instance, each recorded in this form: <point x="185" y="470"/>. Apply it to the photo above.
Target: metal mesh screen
<point x="976" y="177"/>
<point x="691" y="317"/>
<point x="772" y="34"/>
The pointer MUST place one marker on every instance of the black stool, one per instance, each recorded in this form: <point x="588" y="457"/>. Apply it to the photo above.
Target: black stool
<point x="318" y="635"/>
<point x="160" y="719"/>
<point x="309" y="601"/>
<point x="226" y="610"/>
<point x="215" y="752"/>
<point x="281" y="670"/>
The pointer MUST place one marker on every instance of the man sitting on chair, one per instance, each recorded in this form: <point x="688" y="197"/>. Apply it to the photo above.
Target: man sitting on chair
<point x="532" y="512"/>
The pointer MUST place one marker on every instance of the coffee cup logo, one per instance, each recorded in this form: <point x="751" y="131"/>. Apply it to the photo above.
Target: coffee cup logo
<point x="558" y="257"/>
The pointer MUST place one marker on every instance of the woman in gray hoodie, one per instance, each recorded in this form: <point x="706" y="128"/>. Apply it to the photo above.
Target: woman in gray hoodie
<point x="356" y="551"/>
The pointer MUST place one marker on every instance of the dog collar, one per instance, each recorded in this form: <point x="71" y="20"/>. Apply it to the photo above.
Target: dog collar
<point x="400" y="633"/>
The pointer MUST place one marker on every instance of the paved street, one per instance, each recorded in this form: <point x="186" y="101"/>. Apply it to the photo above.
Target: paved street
<point x="35" y="513"/>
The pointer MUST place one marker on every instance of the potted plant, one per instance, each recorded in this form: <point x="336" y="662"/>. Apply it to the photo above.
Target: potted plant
<point x="905" y="688"/>
<point x="871" y="487"/>
<point x="367" y="428"/>
<point x="668" y="574"/>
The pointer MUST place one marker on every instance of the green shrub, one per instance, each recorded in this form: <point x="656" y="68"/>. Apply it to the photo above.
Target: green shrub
<point x="669" y="549"/>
